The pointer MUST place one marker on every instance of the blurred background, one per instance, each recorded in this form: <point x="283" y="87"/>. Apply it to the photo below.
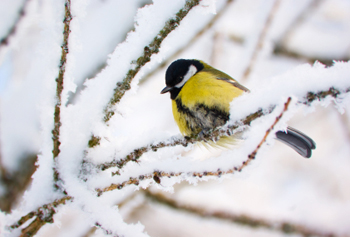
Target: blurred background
<point x="281" y="194"/>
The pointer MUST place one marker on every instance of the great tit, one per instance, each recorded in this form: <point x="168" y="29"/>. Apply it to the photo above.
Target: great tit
<point x="201" y="97"/>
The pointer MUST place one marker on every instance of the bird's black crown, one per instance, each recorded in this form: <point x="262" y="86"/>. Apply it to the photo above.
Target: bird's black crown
<point x="178" y="69"/>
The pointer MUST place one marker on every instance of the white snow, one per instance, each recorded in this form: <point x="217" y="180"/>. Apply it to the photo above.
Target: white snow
<point x="277" y="186"/>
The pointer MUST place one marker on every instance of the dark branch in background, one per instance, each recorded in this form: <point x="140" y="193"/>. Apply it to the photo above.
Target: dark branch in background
<point x="5" y="40"/>
<point x="59" y="89"/>
<point x="261" y="40"/>
<point x="14" y="183"/>
<point x="241" y="219"/>
<point x="281" y="46"/>
<point x="313" y="5"/>
<point x="152" y="48"/>
<point x="156" y="175"/>
<point x="282" y="50"/>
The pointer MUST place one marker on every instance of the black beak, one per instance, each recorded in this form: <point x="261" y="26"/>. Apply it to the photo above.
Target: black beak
<point x="166" y="89"/>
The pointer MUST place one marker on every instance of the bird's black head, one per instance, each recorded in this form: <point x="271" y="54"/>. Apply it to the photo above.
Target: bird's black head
<point x="178" y="73"/>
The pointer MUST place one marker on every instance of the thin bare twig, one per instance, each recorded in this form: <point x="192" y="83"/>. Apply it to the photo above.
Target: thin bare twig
<point x="261" y="40"/>
<point x="241" y="219"/>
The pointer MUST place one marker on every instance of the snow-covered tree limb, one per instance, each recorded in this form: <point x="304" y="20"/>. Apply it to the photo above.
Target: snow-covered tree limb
<point x="152" y="48"/>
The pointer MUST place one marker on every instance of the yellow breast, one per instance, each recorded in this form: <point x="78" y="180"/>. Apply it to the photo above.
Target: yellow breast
<point x="203" y="89"/>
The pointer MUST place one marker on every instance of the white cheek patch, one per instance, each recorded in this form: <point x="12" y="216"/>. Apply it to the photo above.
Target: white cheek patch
<point x="191" y="71"/>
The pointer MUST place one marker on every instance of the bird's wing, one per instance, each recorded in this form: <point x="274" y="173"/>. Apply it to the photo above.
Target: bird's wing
<point x="234" y="83"/>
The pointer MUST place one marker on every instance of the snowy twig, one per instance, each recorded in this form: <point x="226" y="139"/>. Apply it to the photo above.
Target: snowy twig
<point x="261" y="40"/>
<point x="156" y="175"/>
<point x="215" y="134"/>
<point x="107" y="232"/>
<point x="59" y="80"/>
<point x="194" y="39"/>
<point x="241" y="219"/>
<point x="5" y="40"/>
<point x="149" y="50"/>
<point x="44" y="213"/>
<point x="185" y="141"/>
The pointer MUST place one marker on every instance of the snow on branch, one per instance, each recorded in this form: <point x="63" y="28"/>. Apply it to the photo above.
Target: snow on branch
<point x="43" y="214"/>
<point x="59" y="80"/>
<point x="59" y="88"/>
<point x="216" y="133"/>
<point x="148" y="51"/>
<point x="156" y="175"/>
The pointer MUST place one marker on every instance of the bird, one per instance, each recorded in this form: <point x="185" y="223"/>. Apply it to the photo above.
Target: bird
<point x="201" y="97"/>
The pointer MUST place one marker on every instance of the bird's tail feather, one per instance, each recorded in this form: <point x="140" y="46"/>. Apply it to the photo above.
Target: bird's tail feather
<point x="297" y="140"/>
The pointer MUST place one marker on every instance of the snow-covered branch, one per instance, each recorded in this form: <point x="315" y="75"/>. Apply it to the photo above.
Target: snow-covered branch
<point x="82" y="164"/>
<point x="148" y="51"/>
